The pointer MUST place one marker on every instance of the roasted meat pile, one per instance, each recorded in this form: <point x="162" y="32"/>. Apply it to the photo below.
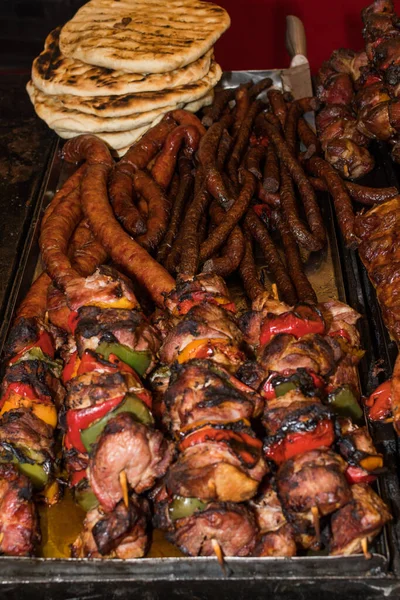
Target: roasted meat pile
<point x="299" y="370"/>
<point x="360" y="92"/>
<point x="251" y="439"/>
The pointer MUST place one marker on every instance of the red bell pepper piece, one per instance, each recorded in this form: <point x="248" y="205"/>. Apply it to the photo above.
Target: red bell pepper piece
<point x="341" y="333"/>
<point x="358" y="475"/>
<point x="22" y="389"/>
<point x="81" y="419"/>
<point x="73" y="320"/>
<point x="299" y="442"/>
<point x="242" y="443"/>
<point x="196" y="298"/>
<point x="44" y="342"/>
<point x="76" y="477"/>
<point x="90" y="362"/>
<point x="69" y="368"/>
<point x="380" y="402"/>
<point x="299" y="322"/>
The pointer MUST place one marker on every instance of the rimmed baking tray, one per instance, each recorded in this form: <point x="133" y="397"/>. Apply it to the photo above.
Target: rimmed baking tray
<point x="330" y="274"/>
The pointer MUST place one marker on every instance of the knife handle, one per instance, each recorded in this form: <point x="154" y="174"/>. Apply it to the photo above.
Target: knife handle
<point x="295" y="37"/>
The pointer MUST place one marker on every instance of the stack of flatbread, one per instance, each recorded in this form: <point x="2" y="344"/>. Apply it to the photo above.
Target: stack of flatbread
<point x="118" y="66"/>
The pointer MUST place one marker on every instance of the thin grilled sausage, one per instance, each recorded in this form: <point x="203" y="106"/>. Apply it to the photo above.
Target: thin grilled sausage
<point x="362" y="194"/>
<point x="231" y="253"/>
<point x="242" y="106"/>
<point x="232" y="218"/>
<point x="242" y="141"/>
<point x="341" y="199"/>
<point x="248" y="270"/>
<point x="271" y="178"/>
<point x="221" y="99"/>
<point x="158" y="210"/>
<point x="260" y="233"/>
<point x="259" y="87"/>
<point x="122" y="199"/>
<point x="207" y="156"/>
<point x="253" y="160"/>
<point x="181" y="199"/>
<point x="292" y="119"/>
<point x="190" y="257"/>
<point x="164" y="166"/>
<point x="308" y="138"/>
<point x="187" y="119"/>
<point x="278" y="106"/>
<point x="316" y="239"/>
<point x="304" y="289"/>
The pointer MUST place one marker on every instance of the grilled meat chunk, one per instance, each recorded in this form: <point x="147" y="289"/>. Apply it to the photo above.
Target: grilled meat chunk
<point x="268" y="509"/>
<point x="24" y="332"/>
<point x="362" y="518"/>
<point x="203" y="287"/>
<point x="200" y="391"/>
<point x="293" y="412"/>
<point x="313" y="479"/>
<point x="19" y="527"/>
<point x="22" y="432"/>
<point x="341" y="319"/>
<point x="231" y="525"/>
<point x="126" y="445"/>
<point x="357" y="448"/>
<point x="39" y="376"/>
<point x="205" y="321"/>
<point x="312" y="352"/>
<point x="127" y="327"/>
<point x="94" y="388"/>
<point x="215" y="471"/>
<point x="122" y="533"/>
<point x="277" y="543"/>
<point x="104" y="288"/>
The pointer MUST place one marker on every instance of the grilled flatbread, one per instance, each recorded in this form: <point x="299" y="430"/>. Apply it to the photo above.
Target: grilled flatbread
<point x="143" y="36"/>
<point x="54" y="73"/>
<point x="116" y="140"/>
<point x="127" y="104"/>
<point x="51" y="110"/>
<point x="124" y="139"/>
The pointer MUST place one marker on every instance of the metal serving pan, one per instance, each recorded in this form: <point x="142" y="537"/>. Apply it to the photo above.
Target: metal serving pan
<point x="171" y="577"/>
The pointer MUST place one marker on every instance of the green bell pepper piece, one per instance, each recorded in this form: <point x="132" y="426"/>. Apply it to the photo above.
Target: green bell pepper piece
<point x="85" y="498"/>
<point x="138" y="360"/>
<point x="182" y="507"/>
<point x="36" y="474"/>
<point x="130" y="404"/>
<point x="36" y="353"/>
<point x="283" y="388"/>
<point x="344" y="403"/>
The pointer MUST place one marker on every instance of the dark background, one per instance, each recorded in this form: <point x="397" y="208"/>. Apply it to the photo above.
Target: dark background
<point x="254" y="41"/>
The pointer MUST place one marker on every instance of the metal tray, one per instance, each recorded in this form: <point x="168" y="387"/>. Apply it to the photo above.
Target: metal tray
<point x="202" y="577"/>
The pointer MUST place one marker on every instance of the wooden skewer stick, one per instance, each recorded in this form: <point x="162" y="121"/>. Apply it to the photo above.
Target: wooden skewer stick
<point x="124" y="485"/>
<point x="219" y="554"/>
<point x="364" y="546"/>
<point x="275" y="293"/>
<point x="315" y="515"/>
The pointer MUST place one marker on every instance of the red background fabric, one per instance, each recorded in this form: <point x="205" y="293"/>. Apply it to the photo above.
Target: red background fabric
<point x="256" y="38"/>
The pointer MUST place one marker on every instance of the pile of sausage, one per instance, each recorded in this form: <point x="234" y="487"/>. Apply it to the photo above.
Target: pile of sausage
<point x="219" y="422"/>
